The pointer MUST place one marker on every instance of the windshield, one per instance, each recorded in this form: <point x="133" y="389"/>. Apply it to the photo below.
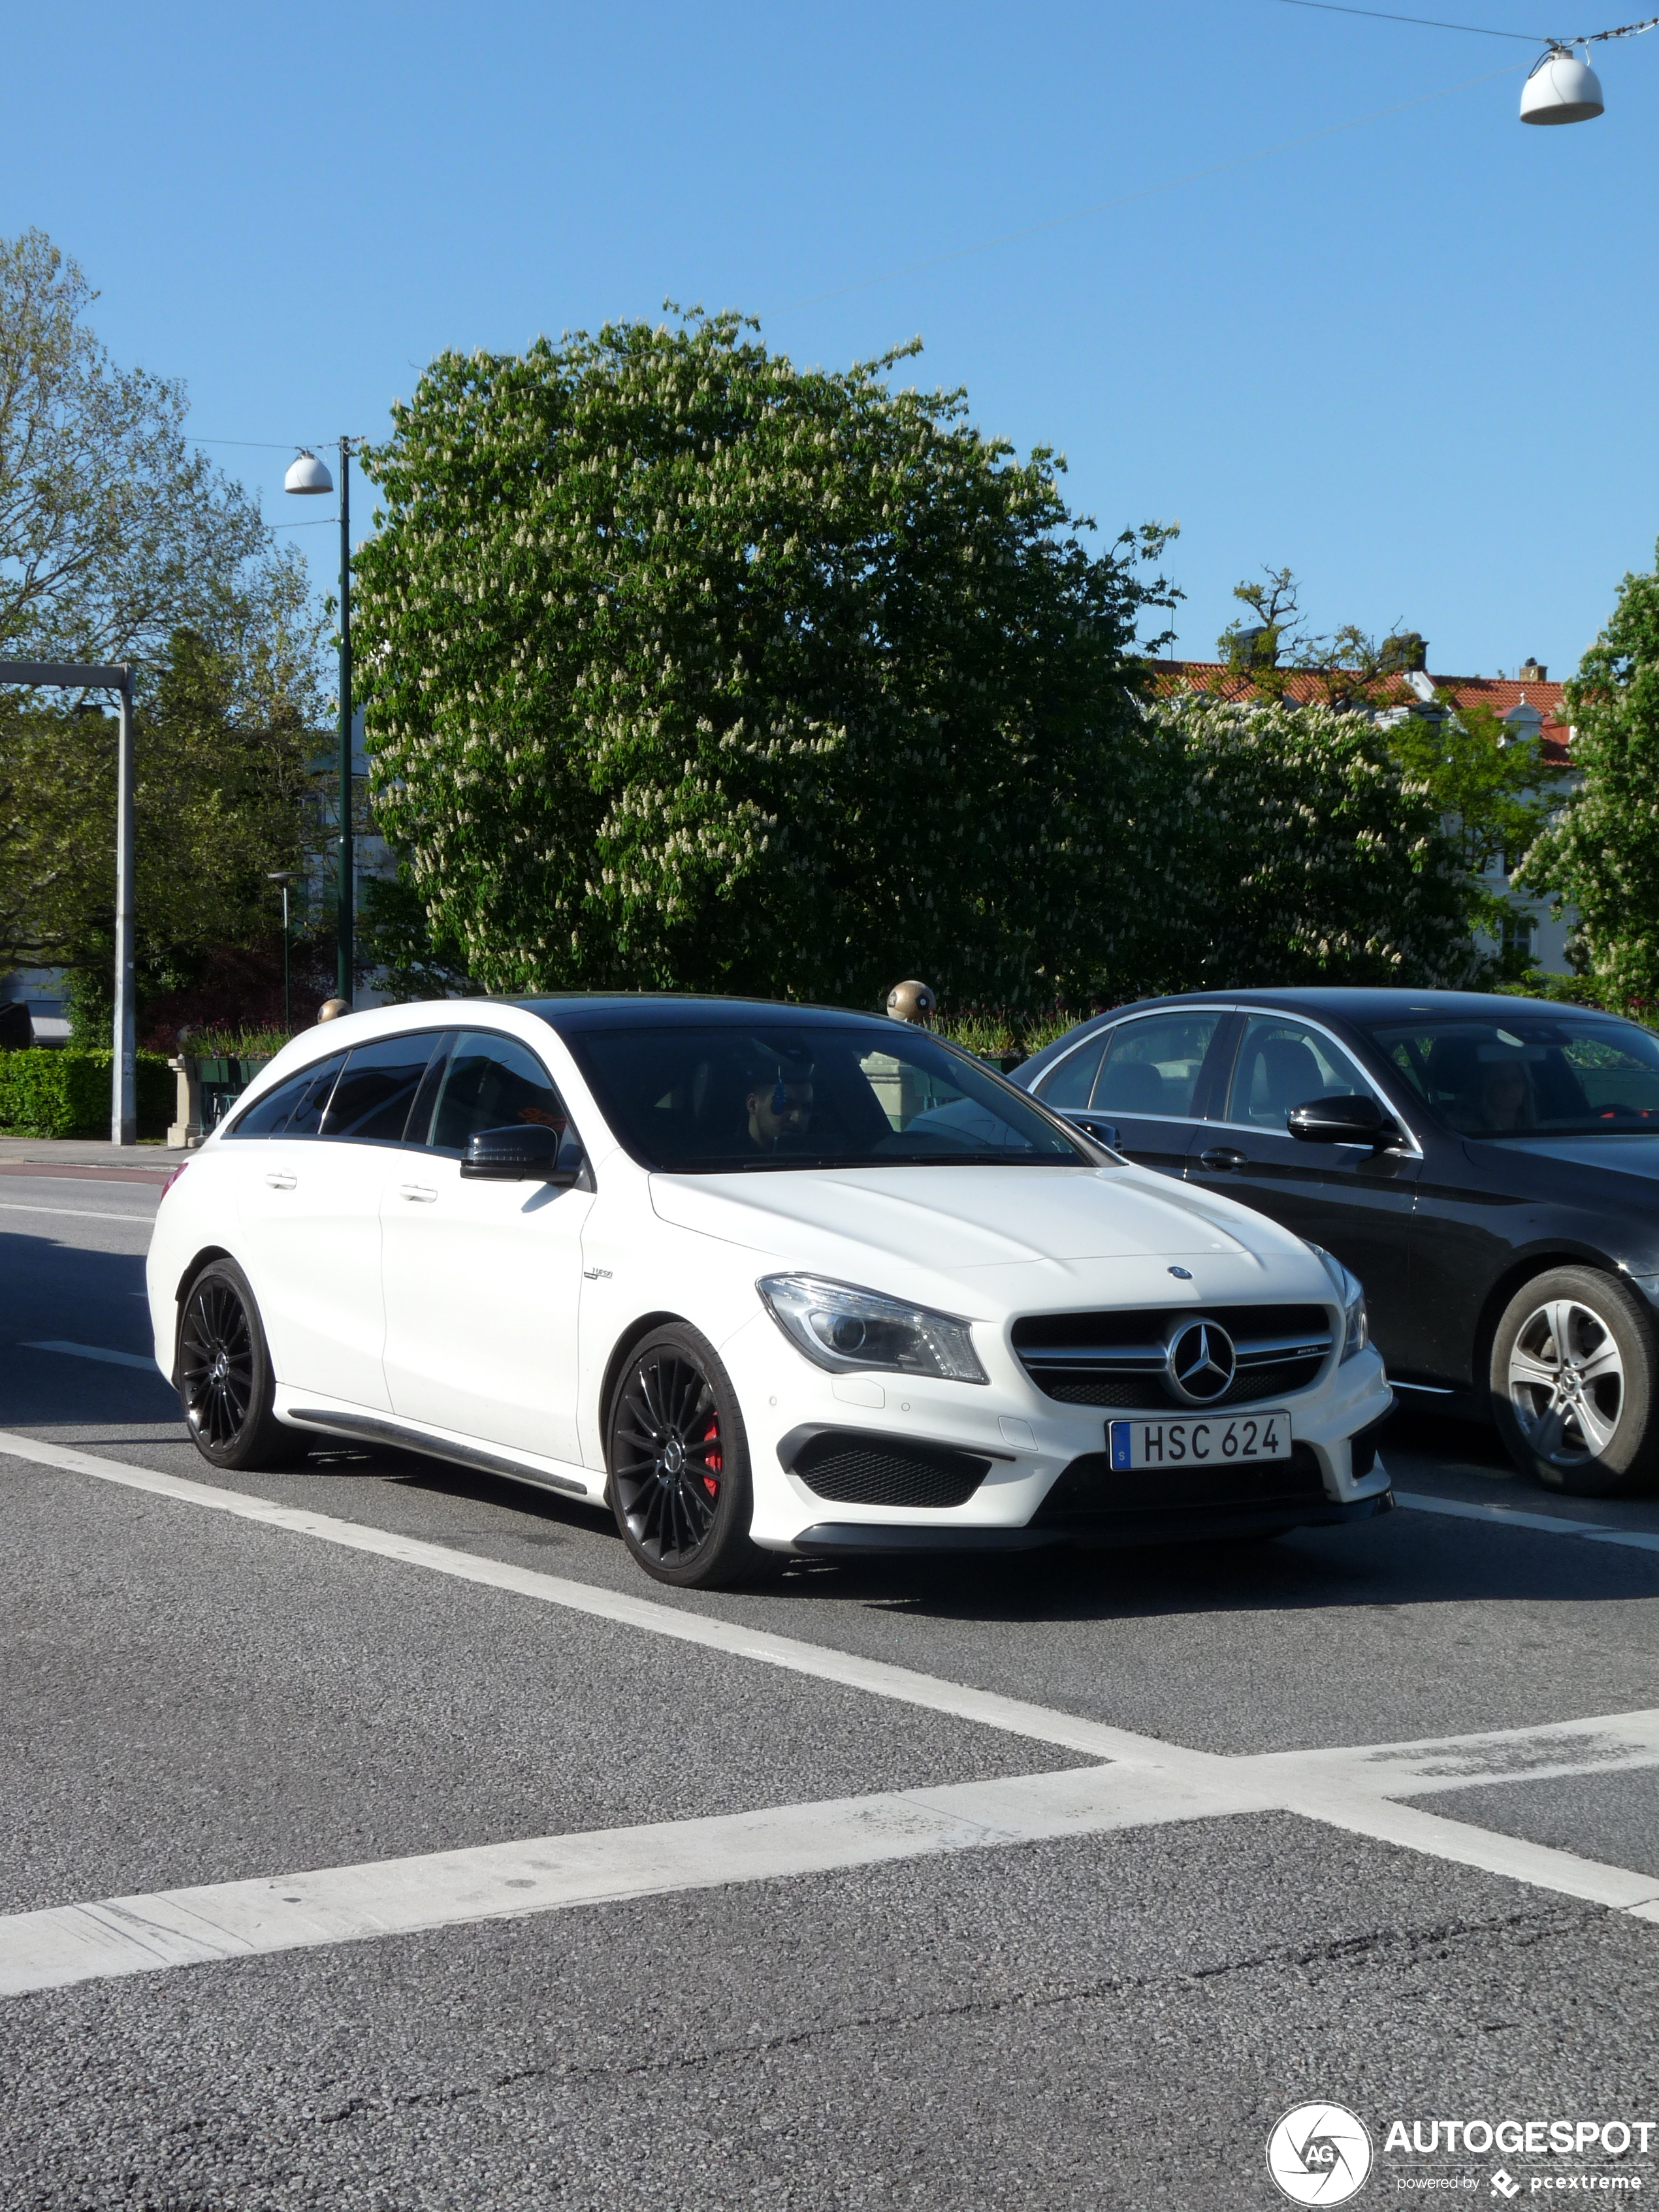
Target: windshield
<point x="1512" y="1075"/>
<point x="785" y="1094"/>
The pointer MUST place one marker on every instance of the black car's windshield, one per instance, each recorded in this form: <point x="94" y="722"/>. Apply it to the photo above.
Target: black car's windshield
<point x="719" y="1100"/>
<point x="1529" y="1074"/>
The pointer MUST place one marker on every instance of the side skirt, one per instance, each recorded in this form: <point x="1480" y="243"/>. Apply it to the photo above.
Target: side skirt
<point x="373" y="1430"/>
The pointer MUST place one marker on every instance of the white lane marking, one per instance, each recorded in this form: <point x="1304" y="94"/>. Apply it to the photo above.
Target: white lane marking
<point x="221" y="1921"/>
<point x="1550" y="1524"/>
<point x="96" y="1352"/>
<point x="1340" y="1789"/>
<point x="74" y="1212"/>
<point x="443" y="1889"/>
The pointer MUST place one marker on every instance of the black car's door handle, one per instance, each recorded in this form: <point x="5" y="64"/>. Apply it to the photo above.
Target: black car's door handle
<point x="1220" y="1157"/>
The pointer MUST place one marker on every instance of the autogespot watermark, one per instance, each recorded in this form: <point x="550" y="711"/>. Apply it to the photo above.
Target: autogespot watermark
<point x="1324" y="2154"/>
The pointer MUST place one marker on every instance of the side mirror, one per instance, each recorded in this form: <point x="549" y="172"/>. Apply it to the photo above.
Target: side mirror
<point x="1352" y="1121"/>
<point x="528" y="1151"/>
<point x="1103" y="1132"/>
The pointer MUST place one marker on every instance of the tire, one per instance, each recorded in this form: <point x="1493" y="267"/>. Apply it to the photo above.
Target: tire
<point x="1587" y="1428"/>
<point x="224" y="1373"/>
<point x="678" y="1455"/>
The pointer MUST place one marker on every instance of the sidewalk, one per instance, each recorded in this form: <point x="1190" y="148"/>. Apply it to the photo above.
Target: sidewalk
<point x="46" y="1153"/>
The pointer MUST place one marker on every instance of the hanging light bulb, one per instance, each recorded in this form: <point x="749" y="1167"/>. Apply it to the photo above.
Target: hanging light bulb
<point x="1561" y="89"/>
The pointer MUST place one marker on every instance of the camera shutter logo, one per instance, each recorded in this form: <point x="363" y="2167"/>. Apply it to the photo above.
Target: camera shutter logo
<point x="1320" y="2155"/>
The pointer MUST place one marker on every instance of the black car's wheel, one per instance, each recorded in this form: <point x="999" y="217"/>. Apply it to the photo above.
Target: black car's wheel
<point x="1573" y="1372"/>
<point x="678" y="1458"/>
<point x="224" y="1374"/>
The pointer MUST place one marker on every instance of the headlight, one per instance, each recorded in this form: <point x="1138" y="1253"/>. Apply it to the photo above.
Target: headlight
<point x="1356" y="1325"/>
<point x="848" y="1330"/>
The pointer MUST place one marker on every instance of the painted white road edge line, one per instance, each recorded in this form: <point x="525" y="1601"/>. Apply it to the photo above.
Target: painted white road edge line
<point x="77" y="1213"/>
<point x="97" y="1352"/>
<point x="1012" y="1715"/>
<point x="1549" y="1524"/>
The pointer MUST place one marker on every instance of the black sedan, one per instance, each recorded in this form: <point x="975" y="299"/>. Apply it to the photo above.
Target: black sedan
<point x="1487" y="1166"/>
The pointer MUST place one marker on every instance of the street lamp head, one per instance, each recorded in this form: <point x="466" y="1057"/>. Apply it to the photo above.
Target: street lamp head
<point x="307" y="474"/>
<point x="281" y="875"/>
<point x="1561" y="89"/>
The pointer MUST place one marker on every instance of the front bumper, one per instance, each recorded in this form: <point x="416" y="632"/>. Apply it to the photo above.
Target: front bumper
<point x="992" y="1464"/>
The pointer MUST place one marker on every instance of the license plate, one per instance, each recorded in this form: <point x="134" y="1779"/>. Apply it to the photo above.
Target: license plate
<point x="1214" y="1442"/>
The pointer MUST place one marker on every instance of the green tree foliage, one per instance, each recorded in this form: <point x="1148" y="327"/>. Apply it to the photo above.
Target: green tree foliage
<point x="1601" y="852"/>
<point x="396" y="942"/>
<point x="1494" y="790"/>
<point x="223" y="796"/>
<point x="1306" y="854"/>
<point x="113" y="530"/>
<point x="117" y="541"/>
<point x="1348" y="667"/>
<point x="689" y="667"/>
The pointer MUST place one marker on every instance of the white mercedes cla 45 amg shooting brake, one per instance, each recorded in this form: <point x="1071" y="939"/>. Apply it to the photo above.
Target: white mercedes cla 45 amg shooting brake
<point x="760" y="1279"/>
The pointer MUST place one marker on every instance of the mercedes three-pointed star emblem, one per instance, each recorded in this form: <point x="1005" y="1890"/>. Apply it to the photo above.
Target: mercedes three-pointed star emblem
<point x="1200" y="1363"/>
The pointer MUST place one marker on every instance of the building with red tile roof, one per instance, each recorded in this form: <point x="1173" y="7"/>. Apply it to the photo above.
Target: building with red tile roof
<point x="1528" y="701"/>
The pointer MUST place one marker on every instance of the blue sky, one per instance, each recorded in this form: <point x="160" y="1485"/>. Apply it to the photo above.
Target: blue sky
<point x="1412" y="359"/>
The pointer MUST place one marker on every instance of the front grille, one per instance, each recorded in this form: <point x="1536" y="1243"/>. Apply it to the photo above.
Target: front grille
<point x="860" y="1471"/>
<point x="1116" y="1358"/>
<point x="1092" y="1488"/>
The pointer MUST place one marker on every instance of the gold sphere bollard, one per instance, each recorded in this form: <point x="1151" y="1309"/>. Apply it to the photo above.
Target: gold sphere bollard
<point x="332" y="1009"/>
<point x="912" y="1002"/>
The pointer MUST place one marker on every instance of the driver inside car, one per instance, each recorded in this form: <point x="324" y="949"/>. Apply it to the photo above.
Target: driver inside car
<point x="780" y="1111"/>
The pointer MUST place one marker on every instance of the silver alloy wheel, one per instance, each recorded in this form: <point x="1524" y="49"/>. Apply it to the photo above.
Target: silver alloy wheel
<point x="1566" y="1383"/>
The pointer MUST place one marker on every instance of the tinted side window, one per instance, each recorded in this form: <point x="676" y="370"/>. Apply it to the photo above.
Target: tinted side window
<point x="294" y="1108"/>
<point x="1152" y="1066"/>
<point x="1283" y="1063"/>
<point x="372" y="1097"/>
<point x="490" y="1083"/>
<point x="1069" y="1081"/>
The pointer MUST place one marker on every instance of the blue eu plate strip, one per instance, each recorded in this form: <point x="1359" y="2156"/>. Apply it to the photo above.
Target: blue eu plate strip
<point x="1118" y="1436"/>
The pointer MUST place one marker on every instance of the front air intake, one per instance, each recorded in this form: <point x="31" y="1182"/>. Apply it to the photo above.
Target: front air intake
<point x="855" y="1467"/>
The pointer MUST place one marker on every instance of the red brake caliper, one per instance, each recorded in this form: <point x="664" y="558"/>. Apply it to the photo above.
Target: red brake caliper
<point x="712" y="1459"/>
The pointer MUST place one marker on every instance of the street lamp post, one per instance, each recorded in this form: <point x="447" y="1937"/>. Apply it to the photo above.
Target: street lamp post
<point x="284" y="876"/>
<point x="307" y="474"/>
<point x="75" y="676"/>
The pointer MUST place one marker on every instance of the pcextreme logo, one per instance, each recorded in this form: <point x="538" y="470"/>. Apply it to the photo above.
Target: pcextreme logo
<point x="1320" y="2155"/>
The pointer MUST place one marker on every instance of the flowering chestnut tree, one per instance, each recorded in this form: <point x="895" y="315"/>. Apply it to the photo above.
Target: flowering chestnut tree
<point x="690" y="668"/>
<point x="1309" y="853"/>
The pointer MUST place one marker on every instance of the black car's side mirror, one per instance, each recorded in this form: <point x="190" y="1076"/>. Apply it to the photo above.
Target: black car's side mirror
<point x="1348" y="1120"/>
<point x="528" y="1151"/>
<point x="1103" y="1132"/>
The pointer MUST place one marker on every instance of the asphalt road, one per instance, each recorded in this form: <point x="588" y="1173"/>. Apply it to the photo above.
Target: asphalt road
<point x="1110" y="2009"/>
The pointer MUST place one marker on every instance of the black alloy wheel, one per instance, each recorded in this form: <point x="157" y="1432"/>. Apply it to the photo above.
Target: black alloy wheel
<point x="224" y="1372"/>
<point x="678" y="1458"/>
<point x="1573" y="1375"/>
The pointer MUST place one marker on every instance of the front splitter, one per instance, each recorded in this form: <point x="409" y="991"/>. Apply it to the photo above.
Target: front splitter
<point x="1107" y="1531"/>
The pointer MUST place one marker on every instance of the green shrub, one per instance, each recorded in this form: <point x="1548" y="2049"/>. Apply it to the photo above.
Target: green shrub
<point x="47" y="1092"/>
<point x="214" y="1042"/>
<point x="999" y="1033"/>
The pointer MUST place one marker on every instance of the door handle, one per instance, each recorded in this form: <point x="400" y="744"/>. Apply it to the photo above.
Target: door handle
<point x="1220" y="1157"/>
<point x="279" y="1179"/>
<point x="420" y="1192"/>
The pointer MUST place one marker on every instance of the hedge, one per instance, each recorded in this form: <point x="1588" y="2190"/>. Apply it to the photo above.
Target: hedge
<point x="46" y="1091"/>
